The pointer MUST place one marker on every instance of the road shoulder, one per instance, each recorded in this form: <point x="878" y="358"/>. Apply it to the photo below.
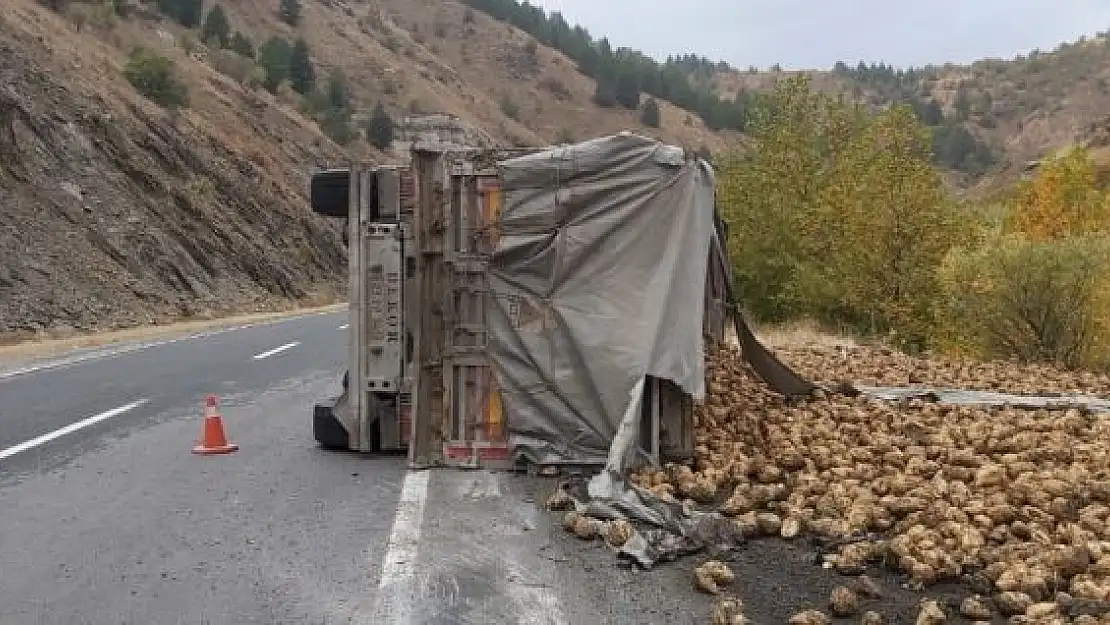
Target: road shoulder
<point x="35" y="354"/>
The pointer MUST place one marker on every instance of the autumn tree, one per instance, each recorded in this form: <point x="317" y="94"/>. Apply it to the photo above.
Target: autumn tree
<point x="1036" y="286"/>
<point x="1062" y="200"/>
<point x="769" y="191"/>
<point x="885" y="224"/>
<point x="836" y="214"/>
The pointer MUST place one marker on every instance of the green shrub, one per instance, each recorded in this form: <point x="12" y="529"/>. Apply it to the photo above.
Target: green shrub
<point x="336" y="124"/>
<point x="1034" y="301"/>
<point x="650" y="115"/>
<point x="379" y="128"/>
<point x="154" y="76"/>
<point x="509" y="108"/>
<point x="242" y="44"/>
<point x="233" y="65"/>
<point x="216" y="27"/>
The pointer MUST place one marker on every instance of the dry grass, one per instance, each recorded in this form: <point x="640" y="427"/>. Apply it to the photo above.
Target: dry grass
<point x="466" y="69"/>
<point x="1025" y="107"/>
<point x="803" y="334"/>
<point x="424" y="53"/>
<point x="220" y="109"/>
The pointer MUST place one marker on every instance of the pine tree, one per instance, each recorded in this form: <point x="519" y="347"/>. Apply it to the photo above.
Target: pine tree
<point x="185" y="12"/>
<point x="216" y="27"/>
<point x="338" y="94"/>
<point x="962" y="104"/>
<point x="650" y="114"/>
<point x="242" y="45"/>
<point x="290" y="11"/>
<point x="379" y="129"/>
<point x="605" y="95"/>
<point x="932" y="114"/>
<point x="273" y="56"/>
<point x="301" y="73"/>
<point x="627" y="88"/>
<point x="191" y="12"/>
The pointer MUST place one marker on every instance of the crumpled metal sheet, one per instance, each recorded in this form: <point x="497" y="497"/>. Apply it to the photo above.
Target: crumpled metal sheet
<point x="988" y="398"/>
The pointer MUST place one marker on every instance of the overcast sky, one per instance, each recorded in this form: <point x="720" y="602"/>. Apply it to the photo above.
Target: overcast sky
<point x="814" y="34"/>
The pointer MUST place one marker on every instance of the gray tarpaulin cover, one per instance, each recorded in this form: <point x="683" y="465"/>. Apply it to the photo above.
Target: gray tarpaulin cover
<point x="598" y="280"/>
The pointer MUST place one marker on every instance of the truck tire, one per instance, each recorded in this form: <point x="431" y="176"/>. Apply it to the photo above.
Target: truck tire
<point x="330" y="192"/>
<point x="375" y="408"/>
<point x="327" y="429"/>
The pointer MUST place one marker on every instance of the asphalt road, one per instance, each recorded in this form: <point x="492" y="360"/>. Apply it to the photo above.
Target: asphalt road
<point x="107" y="518"/>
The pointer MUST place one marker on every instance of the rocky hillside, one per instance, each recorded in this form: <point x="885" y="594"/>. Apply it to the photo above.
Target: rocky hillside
<point x="115" y="212"/>
<point x="1020" y="109"/>
<point x="989" y="119"/>
<point x="118" y="208"/>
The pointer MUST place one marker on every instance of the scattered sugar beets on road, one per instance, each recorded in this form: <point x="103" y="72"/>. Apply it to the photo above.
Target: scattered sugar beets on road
<point x="1008" y="506"/>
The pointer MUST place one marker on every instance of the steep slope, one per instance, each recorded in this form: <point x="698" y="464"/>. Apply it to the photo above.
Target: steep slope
<point x="1023" y="108"/>
<point x="1032" y="106"/>
<point x="440" y="56"/>
<point x="115" y="212"/>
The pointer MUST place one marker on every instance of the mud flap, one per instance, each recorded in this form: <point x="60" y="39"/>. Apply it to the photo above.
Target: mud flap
<point x="326" y="427"/>
<point x="769" y="368"/>
<point x="782" y="379"/>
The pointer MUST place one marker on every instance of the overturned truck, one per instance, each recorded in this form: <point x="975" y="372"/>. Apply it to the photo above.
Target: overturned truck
<point x="523" y="308"/>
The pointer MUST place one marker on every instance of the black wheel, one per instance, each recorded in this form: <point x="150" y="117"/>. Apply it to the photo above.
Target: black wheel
<point x="329" y="191"/>
<point x="375" y="409"/>
<point x="326" y="429"/>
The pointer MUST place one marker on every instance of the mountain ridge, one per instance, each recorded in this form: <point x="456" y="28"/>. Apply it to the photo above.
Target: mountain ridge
<point x="118" y="211"/>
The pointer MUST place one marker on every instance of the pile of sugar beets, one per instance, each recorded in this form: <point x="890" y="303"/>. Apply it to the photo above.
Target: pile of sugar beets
<point x="1014" y="502"/>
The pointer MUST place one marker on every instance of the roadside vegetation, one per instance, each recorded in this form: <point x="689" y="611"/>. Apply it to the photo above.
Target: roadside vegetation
<point x="283" y="67"/>
<point x="840" y="215"/>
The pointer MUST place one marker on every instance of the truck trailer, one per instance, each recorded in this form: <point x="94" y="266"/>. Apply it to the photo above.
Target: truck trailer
<point x="534" y="307"/>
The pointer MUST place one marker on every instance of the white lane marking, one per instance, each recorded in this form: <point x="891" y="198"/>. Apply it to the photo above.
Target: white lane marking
<point x="276" y="350"/>
<point x="396" y="589"/>
<point x="344" y="326"/>
<point x="109" y="352"/>
<point x="69" y="429"/>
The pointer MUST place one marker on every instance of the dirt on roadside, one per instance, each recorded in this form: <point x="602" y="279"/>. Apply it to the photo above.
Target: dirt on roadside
<point x="52" y="348"/>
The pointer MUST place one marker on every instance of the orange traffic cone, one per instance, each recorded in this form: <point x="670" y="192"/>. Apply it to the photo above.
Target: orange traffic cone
<point x="213" y="440"/>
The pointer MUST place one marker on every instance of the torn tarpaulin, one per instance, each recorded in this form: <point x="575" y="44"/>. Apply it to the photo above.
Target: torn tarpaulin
<point x="700" y="530"/>
<point x="680" y="529"/>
